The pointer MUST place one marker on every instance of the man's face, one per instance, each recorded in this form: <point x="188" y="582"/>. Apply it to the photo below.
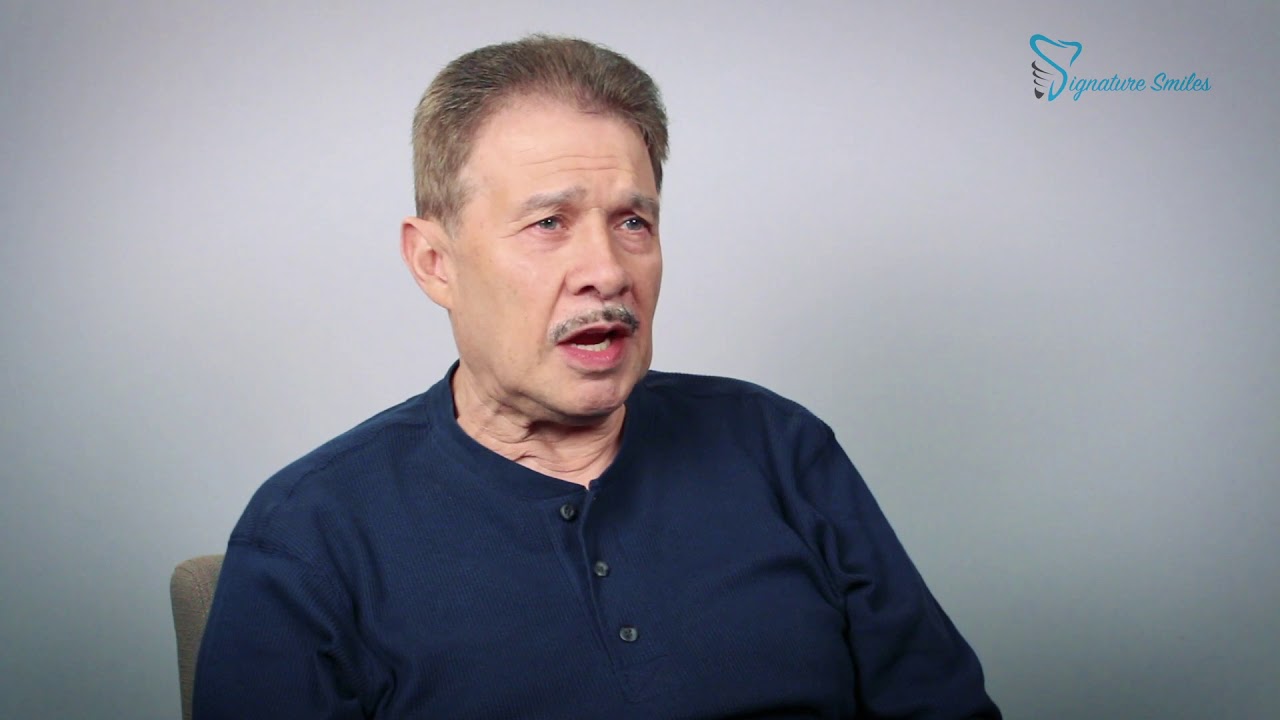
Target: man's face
<point x="555" y="265"/>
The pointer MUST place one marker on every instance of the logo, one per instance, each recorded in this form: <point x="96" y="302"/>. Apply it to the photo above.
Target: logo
<point x="1051" y="78"/>
<point x="1050" y="75"/>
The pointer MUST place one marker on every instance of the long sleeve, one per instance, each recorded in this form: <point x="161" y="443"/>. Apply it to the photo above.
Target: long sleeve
<point x="910" y="661"/>
<point x="279" y="643"/>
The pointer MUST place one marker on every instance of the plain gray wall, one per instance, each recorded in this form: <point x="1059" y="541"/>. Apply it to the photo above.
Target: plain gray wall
<point x="1047" y="333"/>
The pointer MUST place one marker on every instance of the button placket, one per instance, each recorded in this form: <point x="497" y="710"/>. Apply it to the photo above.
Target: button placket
<point x="617" y="615"/>
<point x="566" y="519"/>
<point x="573" y="517"/>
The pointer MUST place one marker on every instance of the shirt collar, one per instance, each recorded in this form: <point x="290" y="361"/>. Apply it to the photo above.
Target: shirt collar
<point x="493" y="469"/>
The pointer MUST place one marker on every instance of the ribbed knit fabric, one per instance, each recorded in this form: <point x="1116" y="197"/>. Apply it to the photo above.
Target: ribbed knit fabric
<point x="730" y="563"/>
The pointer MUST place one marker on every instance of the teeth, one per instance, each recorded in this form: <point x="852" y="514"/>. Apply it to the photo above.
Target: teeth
<point x="594" y="348"/>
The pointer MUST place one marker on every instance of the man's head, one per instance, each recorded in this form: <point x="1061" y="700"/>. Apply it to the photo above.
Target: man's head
<point x="537" y="168"/>
<point x="474" y="87"/>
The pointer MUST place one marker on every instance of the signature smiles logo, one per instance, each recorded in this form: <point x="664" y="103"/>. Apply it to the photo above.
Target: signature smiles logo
<point x="1049" y="76"/>
<point x="1054" y="60"/>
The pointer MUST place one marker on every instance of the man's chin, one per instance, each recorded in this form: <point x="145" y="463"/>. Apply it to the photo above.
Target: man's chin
<point x="596" y="399"/>
<point x="590" y="411"/>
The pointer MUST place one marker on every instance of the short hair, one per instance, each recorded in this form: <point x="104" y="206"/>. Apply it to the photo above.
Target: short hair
<point x="474" y="87"/>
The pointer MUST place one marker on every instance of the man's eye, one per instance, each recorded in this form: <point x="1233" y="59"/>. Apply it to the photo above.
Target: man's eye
<point x="635" y="224"/>
<point x="551" y="223"/>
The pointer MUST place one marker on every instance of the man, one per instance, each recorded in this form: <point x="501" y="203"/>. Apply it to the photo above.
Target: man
<point x="552" y="530"/>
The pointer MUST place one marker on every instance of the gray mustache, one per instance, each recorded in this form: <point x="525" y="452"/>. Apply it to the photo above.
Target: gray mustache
<point x="608" y="313"/>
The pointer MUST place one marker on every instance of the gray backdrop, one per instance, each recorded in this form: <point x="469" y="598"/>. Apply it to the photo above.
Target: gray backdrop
<point x="1046" y="332"/>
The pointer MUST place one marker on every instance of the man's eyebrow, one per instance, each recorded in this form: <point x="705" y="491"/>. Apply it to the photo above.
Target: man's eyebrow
<point x="561" y="198"/>
<point x="645" y="204"/>
<point x="555" y="199"/>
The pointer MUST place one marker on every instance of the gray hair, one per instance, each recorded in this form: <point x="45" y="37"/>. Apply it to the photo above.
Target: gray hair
<point x="474" y="87"/>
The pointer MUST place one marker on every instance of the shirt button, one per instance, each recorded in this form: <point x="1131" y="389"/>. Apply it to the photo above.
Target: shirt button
<point x="601" y="568"/>
<point x="628" y="633"/>
<point x="568" y="511"/>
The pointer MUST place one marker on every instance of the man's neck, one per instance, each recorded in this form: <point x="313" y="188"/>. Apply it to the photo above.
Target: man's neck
<point x="576" y="453"/>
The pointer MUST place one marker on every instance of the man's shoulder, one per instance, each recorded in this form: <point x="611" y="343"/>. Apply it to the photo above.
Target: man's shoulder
<point x="724" y="417"/>
<point x="727" y="400"/>
<point x="336" y="474"/>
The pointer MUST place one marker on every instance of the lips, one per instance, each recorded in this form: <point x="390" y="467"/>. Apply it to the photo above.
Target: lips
<point x="596" y="348"/>
<point x="596" y="337"/>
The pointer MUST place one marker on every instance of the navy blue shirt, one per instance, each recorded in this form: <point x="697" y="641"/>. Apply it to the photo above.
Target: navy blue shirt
<point x="730" y="563"/>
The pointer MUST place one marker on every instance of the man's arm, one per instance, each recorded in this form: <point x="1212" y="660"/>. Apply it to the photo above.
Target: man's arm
<point x="909" y="659"/>
<point x="280" y="643"/>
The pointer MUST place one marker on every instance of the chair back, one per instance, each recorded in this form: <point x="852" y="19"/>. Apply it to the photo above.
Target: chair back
<point x="191" y="591"/>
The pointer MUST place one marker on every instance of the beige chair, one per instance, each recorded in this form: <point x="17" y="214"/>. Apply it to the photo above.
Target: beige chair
<point x="191" y="590"/>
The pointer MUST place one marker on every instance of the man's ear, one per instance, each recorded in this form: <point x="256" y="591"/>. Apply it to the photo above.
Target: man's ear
<point x="425" y="246"/>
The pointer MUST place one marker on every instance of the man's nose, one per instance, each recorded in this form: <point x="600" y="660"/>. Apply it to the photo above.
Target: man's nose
<point x="598" y="268"/>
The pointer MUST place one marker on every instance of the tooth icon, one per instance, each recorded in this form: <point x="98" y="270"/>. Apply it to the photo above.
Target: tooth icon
<point x="1049" y="76"/>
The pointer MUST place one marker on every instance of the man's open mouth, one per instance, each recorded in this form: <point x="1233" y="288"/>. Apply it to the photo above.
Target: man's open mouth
<point x="596" y="339"/>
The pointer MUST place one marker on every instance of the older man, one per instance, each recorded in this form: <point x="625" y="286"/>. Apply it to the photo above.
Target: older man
<point x="553" y="530"/>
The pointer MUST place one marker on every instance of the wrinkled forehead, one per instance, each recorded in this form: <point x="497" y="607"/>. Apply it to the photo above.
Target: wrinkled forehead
<point x="537" y="142"/>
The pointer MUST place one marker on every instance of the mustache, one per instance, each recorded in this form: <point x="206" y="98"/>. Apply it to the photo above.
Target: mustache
<point x="608" y="313"/>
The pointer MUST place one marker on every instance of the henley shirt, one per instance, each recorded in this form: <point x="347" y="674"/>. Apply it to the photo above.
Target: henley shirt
<point x="730" y="563"/>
